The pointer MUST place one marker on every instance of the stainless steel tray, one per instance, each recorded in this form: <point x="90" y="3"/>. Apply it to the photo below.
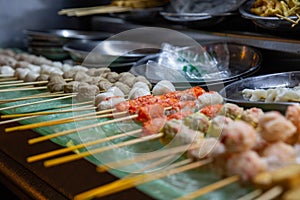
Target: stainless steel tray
<point x="233" y="92"/>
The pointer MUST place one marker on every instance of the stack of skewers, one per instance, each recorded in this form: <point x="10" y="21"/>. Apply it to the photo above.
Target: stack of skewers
<point x="247" y="146"/>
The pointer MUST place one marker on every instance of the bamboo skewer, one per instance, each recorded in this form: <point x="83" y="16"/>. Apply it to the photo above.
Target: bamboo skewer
<point x="150" y="156"/>
<point x="36" y="102"/>
<point x="271" y="193"/>
<point x="5" y="76"/>
<point x="83" y="108"/>
<point x="104" y="10"/>
<point x="58" y="134"/>
<point x="69" y="158"/>
<point x="29" y="83"/>
<point x="136" y="180"/>
<point x="34" y="97"/>
<point x="10" y="82"/>
<point x="16" y="120"/>
<point x="251" y="195"/>
<point x="78" y="109"/>
<point x="61" y="121"/>
<point x="10" y="78"/>
<point x="75" y="104"/>
<point x="24" y="89"/>
<point x="79" y="146"/>
<point x="211" y="188"/>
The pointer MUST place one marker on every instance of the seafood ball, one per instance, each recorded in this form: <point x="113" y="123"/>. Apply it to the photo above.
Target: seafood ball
<point x="40" y="60"/>
<point x="231" y="110"/>
<point x="209" y="98"/>
<point x="208" y="148"/>
<point x="138" y="92"/>
<point x="140" y="85"/>
<point x="238" y="136"/>
<point x="87" y="92"/>
<point x="56" y="83"/>
<point x="142" y="79"/>
<point x="293" y="115"/>
<point x="72" y="86"/>
<point x="80" y="76"/>
<point x="127" y="79"/>
<point x="112" y="77"/>
<point x="31" y="77"/>
<point x="246" y="164"/>
<point x="20" y="73"/>
<point x="7" y="70"/>
<point x="57" y="64"/>
<point x="217" y="125"/>
<point x="163" y="87"/>
<point x="22" y="64"/>
<point x="126" y="74"/>
<point x="7" y="52"/>
<point x="279" y="154"/>
<point x="69" y="74"/>
<point x="116" y="91"/>
<point x="43" y="77"/>
<point x="79" y="68"/>
<point x="125" y="89"/>
<point x="100" y="72"/>
<point x="104" y="105"/>
<point x="66" y="67"/>
<point x="197" y="121"/>
<point x="175" y="130"/>
<point x="6" y="60"/>
<point x="275" y="127"/>
<point x="252" y="116"/>
<point x="104" y="85"/>
<point x="34" y="68"/>
<point x="103" y="97"/>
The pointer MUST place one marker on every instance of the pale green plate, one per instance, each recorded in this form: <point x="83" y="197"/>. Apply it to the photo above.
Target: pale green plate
<point x="167" y="188"/>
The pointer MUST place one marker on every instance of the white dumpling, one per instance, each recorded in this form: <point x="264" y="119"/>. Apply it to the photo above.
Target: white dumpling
<point x="138" y="92"/>
<point x="31" y="77"/>
<point x="116" y="91"/>
<point x="103" y="96"/>
<point x="20" y="73"/>
<point x="7" y="70"/>
<point x="210" y="98"/>
<point x="163" y="87"/>
<point x="110" y="103"/>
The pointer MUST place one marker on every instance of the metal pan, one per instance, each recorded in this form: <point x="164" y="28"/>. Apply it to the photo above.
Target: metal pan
<point x="66" y="34"/>
<point x="232" y="93"/>
<point x="243" y="61"/>
<point x="106" y="52"/>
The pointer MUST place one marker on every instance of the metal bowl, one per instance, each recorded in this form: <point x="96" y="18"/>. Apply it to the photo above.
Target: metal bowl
<point x="243" y="61"/>
<point x="104" y="53"/>
<point x="270" y="23"/>
<point x="232" y="93"/>
<point x="66" y="35"/>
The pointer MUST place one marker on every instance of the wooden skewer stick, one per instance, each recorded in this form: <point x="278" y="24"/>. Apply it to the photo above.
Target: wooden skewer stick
<point x="36" y="102"/>
<point x="111" y="9"/>
<point x="70" y="10"/>
<point x="211" y="187"/>
<point x="24" y="89"/>
<point x="75" y="104"/>
<point x="28" y="83"/>
<point x="58" y="134"/>
<point x="251" y="195"/>
<point x="297" y="21"/>
<point x="34" y="97"/>
<point x="127" y="183"/>
<point x="79" y="146"/>
<point x="83" y="108"/>
<point x="70" y="158"/>
<point x="271" y="194"/>
<point x="10" y="82"/>
<point x="8" y="79"/>
<point x="78" y="109"/>
<point x="16" y="120"/>
<point x="150" y="156"/>
<point x="5" y="76"/>
<point x="60" y="121"/>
